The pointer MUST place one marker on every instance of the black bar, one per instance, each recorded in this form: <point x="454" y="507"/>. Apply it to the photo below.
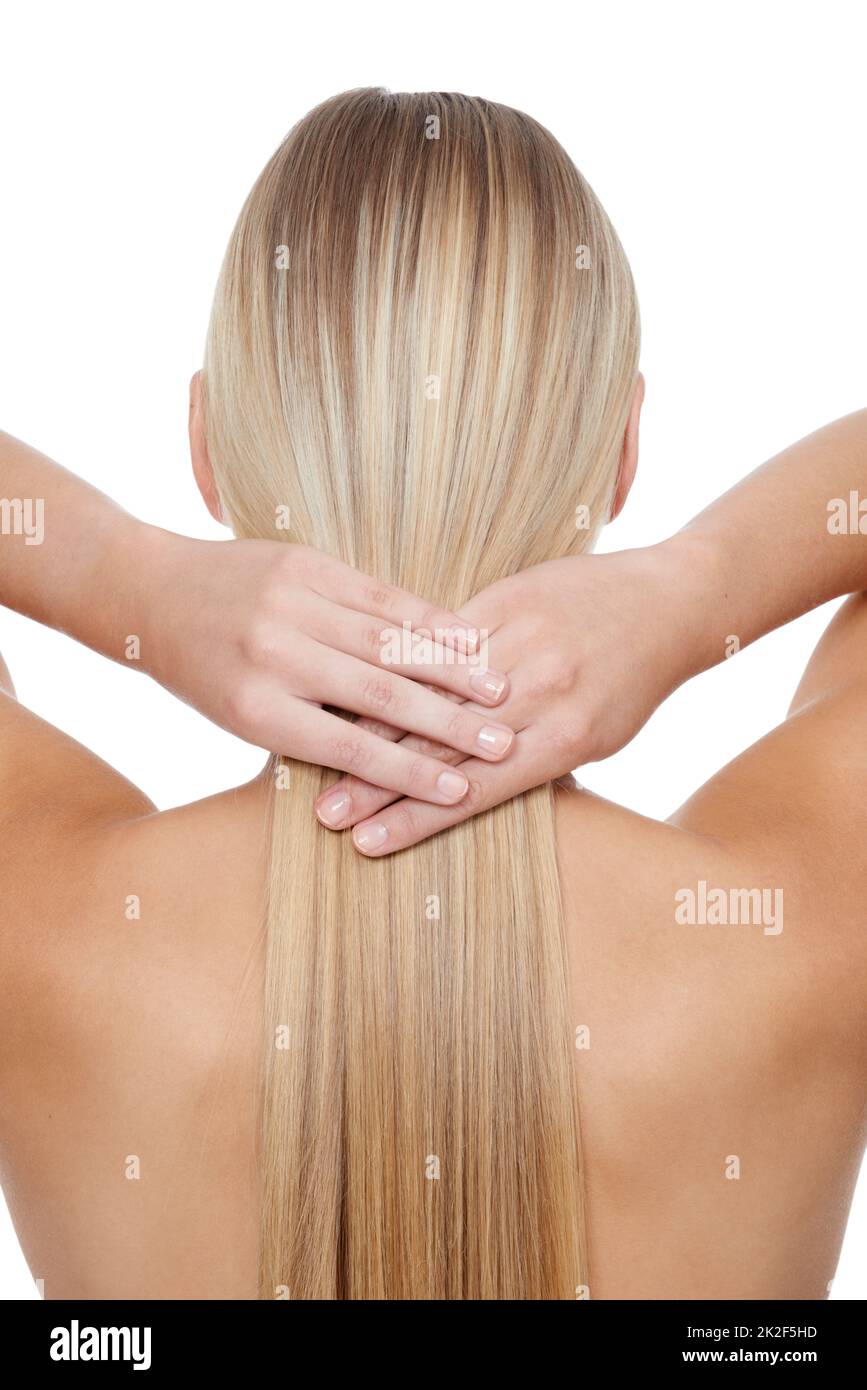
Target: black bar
<point x="242" y="1338"/>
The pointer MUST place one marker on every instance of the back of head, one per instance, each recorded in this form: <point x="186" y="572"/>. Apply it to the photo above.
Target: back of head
<point x="423" y="351"/>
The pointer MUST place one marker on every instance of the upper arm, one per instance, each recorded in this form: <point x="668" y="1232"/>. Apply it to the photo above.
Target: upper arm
<point x="796" y="797"/>
<point x="56" y="800"/>
<point x="839" y="662"/>
<point x="50" y="783"/>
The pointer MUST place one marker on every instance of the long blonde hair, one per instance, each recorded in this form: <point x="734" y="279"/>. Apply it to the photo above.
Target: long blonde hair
<point x="423" y="347"/>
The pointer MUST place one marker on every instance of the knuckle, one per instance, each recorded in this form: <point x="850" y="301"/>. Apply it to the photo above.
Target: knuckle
<point x="552" y="679"/>
<point x="432" y="749"/>
<point x="475" y="796"/>
<point x="349" y="753"/>
<point x="260" y="641"/>
<point x="380" y="694"/>
<point x="430" y="619"/>
<point x="417" y="774"/>
<point x="379" y="595"/>
<point x="374" y="637"/>
<point x="457" y="727"/>
<point x="377" y="727"/>
<point x="409" y="826"/>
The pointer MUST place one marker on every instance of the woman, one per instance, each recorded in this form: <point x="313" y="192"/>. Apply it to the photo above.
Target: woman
<point x="243" y="1059"/>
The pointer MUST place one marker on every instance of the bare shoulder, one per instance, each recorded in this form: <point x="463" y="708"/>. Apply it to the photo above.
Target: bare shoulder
<point x="751" y="895"/>
<point x="794" y="801"/>
<point x="57" y="802"/>
<point x="106" y="899"/>
<point x="130" y="1024"/>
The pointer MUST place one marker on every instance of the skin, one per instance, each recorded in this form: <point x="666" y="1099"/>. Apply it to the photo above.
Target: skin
<point x="258" y="635"/>
<point x="638" y="623"/>
<point x="142" y="1037"/>
<point x="139" y="1036"/>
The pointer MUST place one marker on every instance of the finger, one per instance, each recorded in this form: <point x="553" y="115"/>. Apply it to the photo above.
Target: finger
<point x="362" y="592"/>
<point x="408" y="821"/>
<point x="321" y="737"/>
<point x="350" y="684"/>
<point x="409" y="652"/>
<point x="352" y="799"/>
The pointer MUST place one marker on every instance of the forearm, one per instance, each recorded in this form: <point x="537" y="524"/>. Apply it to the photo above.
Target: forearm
<point x="234" y="629"/>
<point x="773" y="547"/>
<point x="69" y="557"/>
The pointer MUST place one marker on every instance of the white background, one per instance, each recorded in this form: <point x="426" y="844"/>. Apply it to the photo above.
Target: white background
<point x="726" y="141"/>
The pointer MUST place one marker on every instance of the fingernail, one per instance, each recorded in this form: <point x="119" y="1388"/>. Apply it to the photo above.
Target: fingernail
<point x="493" y="740"/>
<point x="487" y="684"/>
<point x="334" y="809"/>
<point x="453" y="785"/>
<point x="368" y="837"/>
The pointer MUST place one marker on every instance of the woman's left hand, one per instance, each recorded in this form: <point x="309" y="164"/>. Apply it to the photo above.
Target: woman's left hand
<point x="592" y="645"/>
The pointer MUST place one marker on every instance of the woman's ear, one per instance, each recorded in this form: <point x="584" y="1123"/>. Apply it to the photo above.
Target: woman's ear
<point x="202" y="469"/>
<point x="629" y="455"/>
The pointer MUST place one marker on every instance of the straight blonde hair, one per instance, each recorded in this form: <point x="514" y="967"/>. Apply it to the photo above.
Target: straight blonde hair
<point x="423" y="348"/>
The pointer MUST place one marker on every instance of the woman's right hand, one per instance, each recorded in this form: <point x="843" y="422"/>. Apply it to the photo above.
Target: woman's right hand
<point x="259" y="635"/>
<point x="592" y="644"/>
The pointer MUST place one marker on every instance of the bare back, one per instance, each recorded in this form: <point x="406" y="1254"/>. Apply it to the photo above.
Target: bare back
<point x="721" y="1064"/>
